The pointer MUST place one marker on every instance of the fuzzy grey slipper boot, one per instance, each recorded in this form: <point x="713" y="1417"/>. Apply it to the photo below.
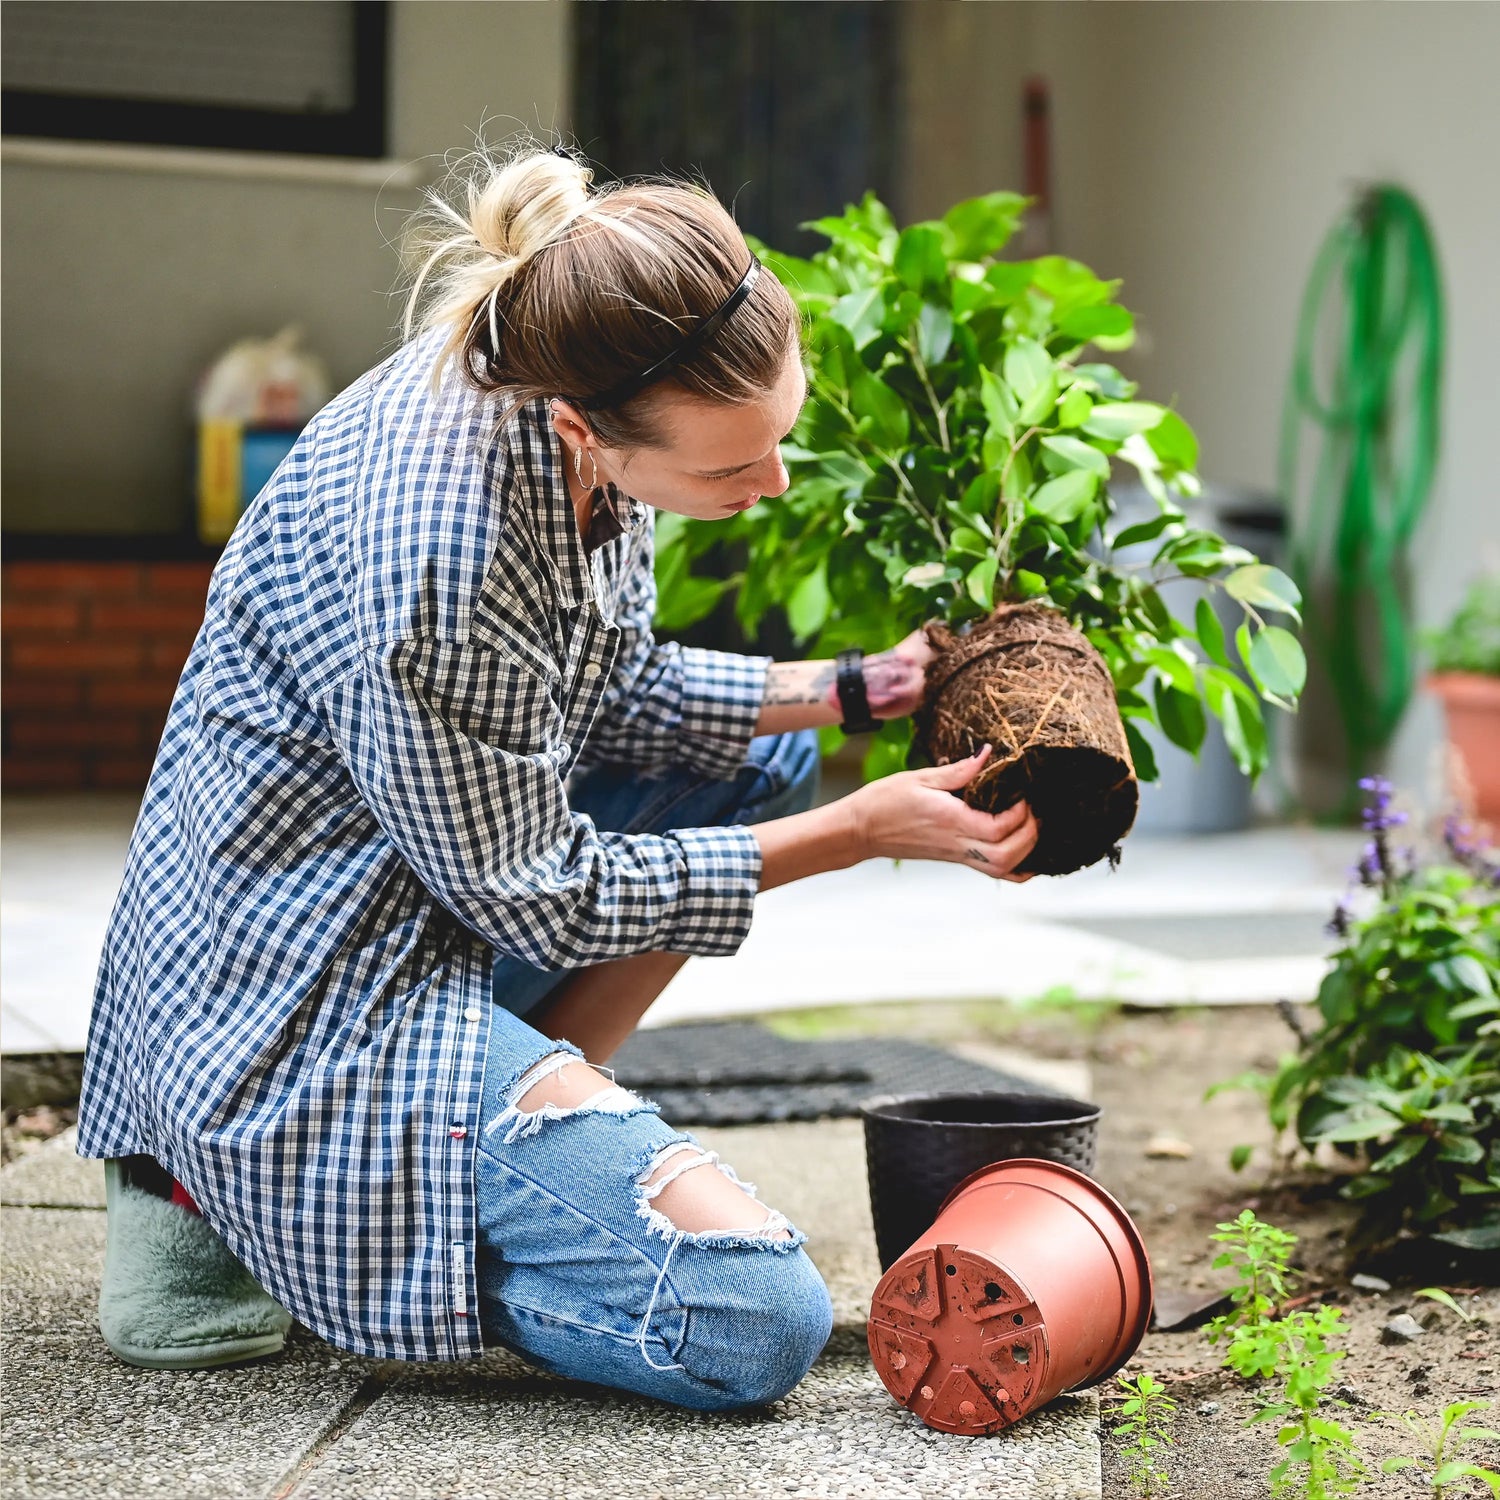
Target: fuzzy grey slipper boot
<point x="173" y="1297"/>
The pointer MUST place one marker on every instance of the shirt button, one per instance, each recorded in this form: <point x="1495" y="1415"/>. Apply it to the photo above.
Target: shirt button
<point x="472" y="1014"/>
<point x="591" y="670"/>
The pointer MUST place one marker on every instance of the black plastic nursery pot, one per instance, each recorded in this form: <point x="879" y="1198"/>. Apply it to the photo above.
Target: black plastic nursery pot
<point x="919" y="1147"/>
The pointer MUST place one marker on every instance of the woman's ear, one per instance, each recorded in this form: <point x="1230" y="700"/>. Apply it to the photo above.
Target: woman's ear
<point x="569" y="425"/>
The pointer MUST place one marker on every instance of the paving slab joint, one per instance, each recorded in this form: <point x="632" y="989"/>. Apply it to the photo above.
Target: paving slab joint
<point x="368" y="1392"/>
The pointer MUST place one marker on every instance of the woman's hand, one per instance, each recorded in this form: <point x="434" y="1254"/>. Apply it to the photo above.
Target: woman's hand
<point x="914" y="815"/>
<point x="894" y="679"/>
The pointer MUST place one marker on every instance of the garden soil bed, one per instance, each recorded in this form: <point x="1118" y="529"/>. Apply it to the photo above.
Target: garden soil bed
<point x="1150" y="1071"/>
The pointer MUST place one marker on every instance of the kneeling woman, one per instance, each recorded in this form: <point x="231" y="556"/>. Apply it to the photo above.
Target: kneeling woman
<point x="434" y="820"/>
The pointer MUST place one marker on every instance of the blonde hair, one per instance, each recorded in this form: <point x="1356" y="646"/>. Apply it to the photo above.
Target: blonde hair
<point x="547" y="288"/>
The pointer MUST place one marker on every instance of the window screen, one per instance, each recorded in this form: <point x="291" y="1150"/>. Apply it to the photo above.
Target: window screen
<point x="277" y="75"/>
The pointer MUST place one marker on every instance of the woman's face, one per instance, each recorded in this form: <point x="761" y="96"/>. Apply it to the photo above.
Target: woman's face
<point x="719" y="460"/>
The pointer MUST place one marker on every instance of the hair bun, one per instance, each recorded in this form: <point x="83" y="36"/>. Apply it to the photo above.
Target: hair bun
<point x="518" y="211"/>
<point x="513" y="208"/>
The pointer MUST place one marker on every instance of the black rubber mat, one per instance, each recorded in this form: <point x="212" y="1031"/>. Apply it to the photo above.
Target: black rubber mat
<point x="737" y="1073"/>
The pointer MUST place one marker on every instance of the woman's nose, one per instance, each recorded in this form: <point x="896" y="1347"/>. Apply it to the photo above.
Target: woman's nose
<point x="779" y="480"/>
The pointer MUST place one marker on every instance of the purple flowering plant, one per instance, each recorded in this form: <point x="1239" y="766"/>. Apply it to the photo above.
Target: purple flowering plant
<point x="1402" y="1073"/>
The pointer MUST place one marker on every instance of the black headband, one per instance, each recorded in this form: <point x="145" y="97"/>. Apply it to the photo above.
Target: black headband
<point x="688" y="347"/>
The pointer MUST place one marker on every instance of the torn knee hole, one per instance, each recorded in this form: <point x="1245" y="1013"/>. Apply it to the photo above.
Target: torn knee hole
<point x="677" y="1199"/>
<point x="560" y="1085"/>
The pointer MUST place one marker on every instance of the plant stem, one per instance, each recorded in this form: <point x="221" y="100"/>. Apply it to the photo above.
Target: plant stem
<point x="939" y="412"/>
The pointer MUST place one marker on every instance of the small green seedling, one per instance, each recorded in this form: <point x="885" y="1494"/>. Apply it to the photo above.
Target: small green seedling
<point x="1439" y="1295"/>
<point x="1320" y="1460"/>
<point x="1440" y="1442"/>
<point x="1146" y="1424"/>
<point x="1258" y="1254"/>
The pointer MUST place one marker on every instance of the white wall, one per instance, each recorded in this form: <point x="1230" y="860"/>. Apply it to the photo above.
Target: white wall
<point x="1202" y="151"/>
<point x="119" y="287"/>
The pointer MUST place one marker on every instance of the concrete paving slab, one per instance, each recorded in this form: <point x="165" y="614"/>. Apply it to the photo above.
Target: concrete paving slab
<point x="53" y="1176"/>
<point x="79" y="1423"/>
<point x="496" y="1427"/>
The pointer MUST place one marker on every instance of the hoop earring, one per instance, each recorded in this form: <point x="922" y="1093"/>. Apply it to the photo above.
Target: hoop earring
<point x="593" y="483"/>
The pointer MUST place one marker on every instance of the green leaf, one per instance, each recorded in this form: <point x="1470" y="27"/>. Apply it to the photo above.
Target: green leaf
<point x="1144" y="531"/>
<point x="1236" y="708"/>
<point x="1141" y="754"/>
<point x="1353" y="1125"/>
<point x="1479" y="1237"/>
<point x="1277" y="661"/>
<point x="861" y="312"/>
<point x="807" y="605"/>
<point x="966" y="539"/>
<point x="1181" y="717"/>
<point x="934" y="334"/>
<point x="981" y="582"/>
<point x="886" y="413"/>
<point x="998" y="402"/>
<point x="1076" y="454"/>
<point x="920" y="262"/>
<point x="688" y="601"/>
<point x="1239" y="1158"/>
<point x="1087" y="323"/>
<point x="981" y="226"/>
<point x="1117" y="420"/>
<point x="1265" y="587"/>
<point x="1464" y="974"/>
<point x="1173" y="442"/>
<point x="1074" y="408"/>
<point x="1461" y="1470"/>
<point x="1437" y="1294"/>
<point x="1210" y="633"/>
<point x="1065" y="498"/>
<point x="1027" y="367"/>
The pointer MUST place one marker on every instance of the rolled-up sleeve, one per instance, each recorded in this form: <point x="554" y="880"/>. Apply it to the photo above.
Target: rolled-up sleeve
<point x="457" y="749"/>
<point x="668" y="703"/>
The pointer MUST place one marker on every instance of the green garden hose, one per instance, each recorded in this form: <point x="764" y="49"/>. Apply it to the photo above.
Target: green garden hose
<point x="1376" y="446"/>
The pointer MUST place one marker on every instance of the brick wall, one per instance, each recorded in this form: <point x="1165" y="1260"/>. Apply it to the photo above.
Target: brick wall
<point x="91" y="656"/>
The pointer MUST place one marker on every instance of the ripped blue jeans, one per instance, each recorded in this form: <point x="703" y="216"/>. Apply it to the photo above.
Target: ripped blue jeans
<point x="578" y="1270"/>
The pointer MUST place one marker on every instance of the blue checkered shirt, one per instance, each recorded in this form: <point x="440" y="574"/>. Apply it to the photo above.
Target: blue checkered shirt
<point x="359" y="801"/>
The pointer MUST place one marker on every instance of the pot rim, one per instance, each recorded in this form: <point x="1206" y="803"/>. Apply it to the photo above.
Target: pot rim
<point x="1133" y="1234"/>
<point x="1072" y="1111"/>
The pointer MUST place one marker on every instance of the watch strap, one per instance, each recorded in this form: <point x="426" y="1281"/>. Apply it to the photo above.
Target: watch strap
<point x="853" y="699"/>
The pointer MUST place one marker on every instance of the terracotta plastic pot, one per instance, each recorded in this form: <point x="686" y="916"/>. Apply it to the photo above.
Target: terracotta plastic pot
<point x="918" y="1147"/>
<point x="1032" y="1281"/>
<point x="1471" y="704"/>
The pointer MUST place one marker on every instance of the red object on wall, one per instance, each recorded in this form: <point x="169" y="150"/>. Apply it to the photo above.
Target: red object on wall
<point x="91" y="655"/>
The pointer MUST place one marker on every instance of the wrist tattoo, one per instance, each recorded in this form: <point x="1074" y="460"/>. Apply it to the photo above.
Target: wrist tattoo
<point x="976" y="855"/>
<point x="890" y="679"/>
<point x="791" y="683"/>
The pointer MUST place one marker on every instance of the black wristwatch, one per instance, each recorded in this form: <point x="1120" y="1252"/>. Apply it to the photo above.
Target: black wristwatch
<point x="852" y="696"/>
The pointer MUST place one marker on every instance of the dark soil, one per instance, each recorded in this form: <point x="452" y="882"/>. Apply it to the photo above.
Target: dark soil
<point x="1029" y="684"/>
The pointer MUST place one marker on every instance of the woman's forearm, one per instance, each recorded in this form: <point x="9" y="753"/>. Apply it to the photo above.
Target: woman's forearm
<point x="804" y="694"/>
<point x="799" y="695"/>
<point x="808" y="843"/>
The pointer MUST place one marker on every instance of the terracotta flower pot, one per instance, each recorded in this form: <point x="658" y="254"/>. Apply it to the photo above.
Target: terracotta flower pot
<point x="1471" y="705"/>
<point x="1033" y="1281"/>
<point x="919" y="1147"/>
<point x="1028" y="683"/>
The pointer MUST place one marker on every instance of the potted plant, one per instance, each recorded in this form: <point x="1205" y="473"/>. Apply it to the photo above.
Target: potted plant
<point x="952" y="468"/>
<point x="1466" y="677"/>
